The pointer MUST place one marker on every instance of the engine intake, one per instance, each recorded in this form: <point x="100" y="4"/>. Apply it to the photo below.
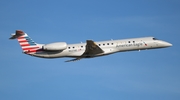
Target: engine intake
<point x="57" y="46"/>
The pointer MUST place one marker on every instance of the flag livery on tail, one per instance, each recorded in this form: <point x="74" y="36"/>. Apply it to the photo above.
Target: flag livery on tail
<point x="27" y="44"/>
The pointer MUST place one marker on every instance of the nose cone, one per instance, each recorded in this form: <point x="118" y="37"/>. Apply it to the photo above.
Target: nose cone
<point x="162" y="44"/>
<point x="167" y="44"/>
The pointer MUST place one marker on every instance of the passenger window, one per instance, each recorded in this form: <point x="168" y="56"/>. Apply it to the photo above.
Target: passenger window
<point x="81" y="46"/>
<point x="133" y="41"/>
<point x="73" y="47"/>
<point x="99" y="44"/>
<point x="107" y="43"/>
<point x="129" y="41"/>
<point x="69" y="47"/>
<point x="103" y="44"/>
<point x="111" y="43"/>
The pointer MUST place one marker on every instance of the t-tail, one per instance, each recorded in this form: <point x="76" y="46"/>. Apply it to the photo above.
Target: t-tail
<point x="27" y="44"/>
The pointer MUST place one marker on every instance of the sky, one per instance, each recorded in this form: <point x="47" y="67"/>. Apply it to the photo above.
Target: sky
<point x="144" y="75"/>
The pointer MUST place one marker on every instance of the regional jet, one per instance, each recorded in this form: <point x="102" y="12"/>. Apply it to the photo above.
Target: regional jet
<point x="89" y="49"/>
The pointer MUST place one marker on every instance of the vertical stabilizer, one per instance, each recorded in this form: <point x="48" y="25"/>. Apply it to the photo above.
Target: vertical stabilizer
<point x="27" y="44"/>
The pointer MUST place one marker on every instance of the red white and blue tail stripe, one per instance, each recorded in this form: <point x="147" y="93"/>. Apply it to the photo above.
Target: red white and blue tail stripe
<point x="27" y="44"/>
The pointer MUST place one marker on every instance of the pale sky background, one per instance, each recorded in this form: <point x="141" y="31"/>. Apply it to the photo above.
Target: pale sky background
<point x="145" y="75"/>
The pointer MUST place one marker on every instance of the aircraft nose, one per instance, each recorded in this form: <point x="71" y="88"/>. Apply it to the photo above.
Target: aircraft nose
<point x="167" y="44"/>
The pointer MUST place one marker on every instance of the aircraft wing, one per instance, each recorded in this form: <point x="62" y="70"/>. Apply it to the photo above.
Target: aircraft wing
<point x="92" y="48"/>
<point x="73" y="60"/>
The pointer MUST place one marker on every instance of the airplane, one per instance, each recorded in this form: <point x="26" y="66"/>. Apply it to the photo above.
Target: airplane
<point x="89" y="49"/>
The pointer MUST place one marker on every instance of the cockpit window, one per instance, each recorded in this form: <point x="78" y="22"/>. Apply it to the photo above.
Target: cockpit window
<point x="155" y="39"/>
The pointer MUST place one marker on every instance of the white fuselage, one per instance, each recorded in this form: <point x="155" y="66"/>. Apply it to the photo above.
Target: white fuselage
<point x="109" y="47"/>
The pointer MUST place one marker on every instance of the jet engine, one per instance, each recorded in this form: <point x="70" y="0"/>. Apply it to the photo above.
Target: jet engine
<point x="57" y="46"/>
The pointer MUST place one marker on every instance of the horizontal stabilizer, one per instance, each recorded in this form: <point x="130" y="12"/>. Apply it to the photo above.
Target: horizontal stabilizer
<point x="17" y="34"/>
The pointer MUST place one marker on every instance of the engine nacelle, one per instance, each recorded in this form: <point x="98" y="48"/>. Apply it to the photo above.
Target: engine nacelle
<point x="57" y="46"/>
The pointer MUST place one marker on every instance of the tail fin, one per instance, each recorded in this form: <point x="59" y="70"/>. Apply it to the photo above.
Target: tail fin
<point x="27" y="44"/>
